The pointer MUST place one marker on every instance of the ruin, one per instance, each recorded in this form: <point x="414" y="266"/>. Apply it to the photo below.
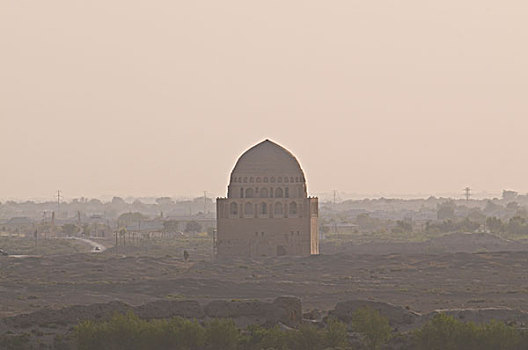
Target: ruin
<point x="267" y="211"/>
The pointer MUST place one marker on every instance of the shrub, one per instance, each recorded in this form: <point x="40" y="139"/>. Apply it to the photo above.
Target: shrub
<point x="443" y="332"/>
<point x="374" y="328"/>
<point x="222" y="334"/>
<point x="497" y="335"/>
<point x="132" y="333"/>
<point x="14" y="342"/>
<point x="268" y="338"/>
<point x="308" y="338"/>
<point x="336" y="334"/>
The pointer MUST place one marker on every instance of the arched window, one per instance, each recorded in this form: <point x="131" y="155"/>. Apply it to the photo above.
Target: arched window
<point x="286" y="179"/>
<point x="278" y="193"/>
<point x="233" y="209"/>
<point x="249" y="193"/>
<point x="278" y="209"/>
<point x="287" y="192"/>
<point x="248" y="209"/>
<point x="271" y="192"/>
<point x="263" y="208"/>
<point x="293" y="208"/>
<point x="241" y="192"/>
<point x="263" y="193"/>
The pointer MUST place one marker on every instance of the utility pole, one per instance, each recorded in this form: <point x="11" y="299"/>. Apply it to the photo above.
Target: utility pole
<point x="467" y="193"/>
<point x="214" y="245"/>
<point x="52" y="228"/>
<point x="58" y="200"/>
<point x="59" y="196"/>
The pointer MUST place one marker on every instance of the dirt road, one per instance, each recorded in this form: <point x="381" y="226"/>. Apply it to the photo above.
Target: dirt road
<point x="96" y="247"/>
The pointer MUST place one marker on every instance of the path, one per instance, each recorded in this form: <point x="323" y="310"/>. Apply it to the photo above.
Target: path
<point x="94" y="245"/>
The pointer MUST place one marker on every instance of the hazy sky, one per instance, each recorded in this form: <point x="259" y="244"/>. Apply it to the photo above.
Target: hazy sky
<point x="161" y="97"/>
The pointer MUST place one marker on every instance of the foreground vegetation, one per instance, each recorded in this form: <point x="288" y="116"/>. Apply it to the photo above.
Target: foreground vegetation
<point x="368" y="330"/>
<point x="130" y="332"/>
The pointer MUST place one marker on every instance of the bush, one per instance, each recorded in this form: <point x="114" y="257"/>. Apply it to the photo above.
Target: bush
<point x="336" y="334"/>
<point x="374" y="328"/>
<point x="446" y="333"/>
<point x="130" y="332"/>
<point x="497" y="335"/>
<point x="268" y="338"/>
<point x="15" y="342"/>
<point x="222" y="334"/>
<point x="308" y="338"/>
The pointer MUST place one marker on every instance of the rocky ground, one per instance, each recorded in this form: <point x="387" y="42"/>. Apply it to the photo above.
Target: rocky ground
<point x="451" y="272"/>
<point x="423" y="280"/>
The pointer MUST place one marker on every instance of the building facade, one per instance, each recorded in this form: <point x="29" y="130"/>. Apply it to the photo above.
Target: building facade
<point x="267" y="211"/>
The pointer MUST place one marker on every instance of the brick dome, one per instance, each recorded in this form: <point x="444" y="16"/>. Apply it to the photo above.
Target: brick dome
<point x="267" y="158"/>
<point x="267" y="164"/>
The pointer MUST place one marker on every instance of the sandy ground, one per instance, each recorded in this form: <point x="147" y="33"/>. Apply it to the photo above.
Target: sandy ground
<point x="407" y="276"/>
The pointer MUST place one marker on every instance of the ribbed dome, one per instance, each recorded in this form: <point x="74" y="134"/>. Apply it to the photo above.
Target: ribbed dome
<point x="268" y="158"/>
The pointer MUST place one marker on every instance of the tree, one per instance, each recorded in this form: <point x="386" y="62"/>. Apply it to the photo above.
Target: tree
<point x="446" y="211"/>
<point x="509" y="195"/>
<point x="492" y="208"/>
<point x="222" y="334"/>
<point x="193" y="227"/>
<point x="517" y="226"/>
<point x="118" y="201"/>
<point x="171" y="226"/>
<point x="130" y="218"/>
<point x="444" y="332"/>
<point x="494" y="224"/>
<point x="373" y="326"/>
<point x="475" y="215"/>
<point x="69" y="229"/>
<point x="336" y="335"/>
<point x="402" y="226"/>
<point x="86" y="230"/>
<point x="164" y="201"/>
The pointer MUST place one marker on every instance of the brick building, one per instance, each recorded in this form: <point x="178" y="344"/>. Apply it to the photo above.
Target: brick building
<point x="267" y="211"/>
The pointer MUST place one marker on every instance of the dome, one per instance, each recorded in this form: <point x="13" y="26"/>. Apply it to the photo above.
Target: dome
<point x="268" y="159"/>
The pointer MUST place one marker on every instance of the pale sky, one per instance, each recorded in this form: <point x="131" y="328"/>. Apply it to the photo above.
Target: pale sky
<point x="149" y="98"/>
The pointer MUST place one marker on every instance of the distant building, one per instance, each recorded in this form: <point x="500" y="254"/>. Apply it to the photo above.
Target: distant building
<point x="267" y="211"/>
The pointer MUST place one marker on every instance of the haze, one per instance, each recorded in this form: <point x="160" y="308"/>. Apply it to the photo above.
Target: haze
<point x="161" y="97"/>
